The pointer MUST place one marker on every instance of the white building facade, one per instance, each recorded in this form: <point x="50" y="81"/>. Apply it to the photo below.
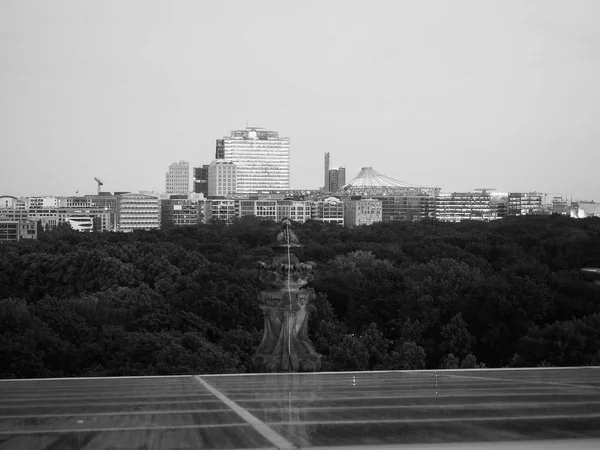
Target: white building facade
<point x="262" y="159"/>
<point x="137" y="212"/>
<point x="362" y="212"/>
<point x="222" y="178"/>
<point x="178" y="178"/>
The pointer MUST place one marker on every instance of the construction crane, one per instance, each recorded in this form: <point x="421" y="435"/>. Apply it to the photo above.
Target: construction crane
<point x="100" y="183"/>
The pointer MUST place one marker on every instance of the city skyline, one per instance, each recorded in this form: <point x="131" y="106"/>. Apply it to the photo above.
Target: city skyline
<point x="458" y="95"/>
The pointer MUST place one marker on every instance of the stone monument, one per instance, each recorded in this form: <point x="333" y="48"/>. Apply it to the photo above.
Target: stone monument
<point x="286" y="306"/>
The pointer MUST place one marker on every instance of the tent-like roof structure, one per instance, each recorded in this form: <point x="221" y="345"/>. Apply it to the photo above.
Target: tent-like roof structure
<point x="371" y="183"/>
<point x="588" y="209"/>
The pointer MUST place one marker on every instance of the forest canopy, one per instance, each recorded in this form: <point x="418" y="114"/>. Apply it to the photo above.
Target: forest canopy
<point x="508" y="293"/>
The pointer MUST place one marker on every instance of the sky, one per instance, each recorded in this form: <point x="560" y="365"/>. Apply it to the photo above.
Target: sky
<point x="455" y="94"/>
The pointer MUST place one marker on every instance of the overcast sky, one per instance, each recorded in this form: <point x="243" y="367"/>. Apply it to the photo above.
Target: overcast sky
<point x="456" y="94"/>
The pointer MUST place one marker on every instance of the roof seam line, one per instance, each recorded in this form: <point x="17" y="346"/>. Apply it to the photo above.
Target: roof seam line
<point x="262" y="428"/>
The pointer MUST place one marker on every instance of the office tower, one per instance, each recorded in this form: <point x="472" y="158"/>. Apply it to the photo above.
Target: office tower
<point x="222" y="176"/>
<point x="201" y="180"/>
<point x="337" y="178"/>
<point x="178" y="178"/>
<point x="326" y="185"/>
<point x="262" y="159"/>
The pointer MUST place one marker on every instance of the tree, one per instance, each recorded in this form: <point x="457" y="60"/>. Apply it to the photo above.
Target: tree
<point x="407" y="356"/>
<point x="470" y="362"/>
<point x="449" y="361"/>
<point x="456" y="338"/>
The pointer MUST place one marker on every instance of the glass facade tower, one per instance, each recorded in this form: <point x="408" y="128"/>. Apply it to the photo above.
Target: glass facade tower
<point x="261" y="157"/>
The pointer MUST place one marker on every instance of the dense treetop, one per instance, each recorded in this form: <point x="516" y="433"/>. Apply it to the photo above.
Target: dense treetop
<point x="391" y="296"/>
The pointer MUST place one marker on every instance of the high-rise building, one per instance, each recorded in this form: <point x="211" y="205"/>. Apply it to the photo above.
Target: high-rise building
<point x="221" y="178"/>
<point x="178" y="178"/>
<point x="326" y="185"/>
<point x="337" y="178"/>
<point x="201" y="180"/>
<point x="262" y="159"/>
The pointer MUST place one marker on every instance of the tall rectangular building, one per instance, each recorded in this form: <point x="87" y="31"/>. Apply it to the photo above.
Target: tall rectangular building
<point x="178" y="178"/>
<point x="262" y="159"/>
<point x="337" y="178"/>
<point x="326" y="185"/>
<point x="201" y="180"/>
<point x="221" y="178"/>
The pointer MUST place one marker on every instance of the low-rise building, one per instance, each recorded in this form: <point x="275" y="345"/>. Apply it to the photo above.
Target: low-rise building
<point x="81" y="222"/>
<point x="524" y="203"/>
<point x="46" y="202"/>
<point x="264" y="209"/>
<point x="581" y="210"/>
<point x="221" y="210"/>
<point x="8" y="201"/>
<point x="406" y="208"/>
<point x="137" y="212"/>
<point x="180" y="211"/>
<point x="14" y="231"/>
<point x="458" y="206"/>
<point x="296" y="210"/>
<point x="359" y="212"/>
<point x="13" y="215"/>
<point x="330" y="210"/>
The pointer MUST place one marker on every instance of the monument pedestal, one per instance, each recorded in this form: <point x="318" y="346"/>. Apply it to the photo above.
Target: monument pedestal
<point x="286" y="307"/>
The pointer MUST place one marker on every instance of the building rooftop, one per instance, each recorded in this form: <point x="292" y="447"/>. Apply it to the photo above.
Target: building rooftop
<point x="369" y="182"/>
<point x="539" y="408"/>
<point x="590" y="208"/>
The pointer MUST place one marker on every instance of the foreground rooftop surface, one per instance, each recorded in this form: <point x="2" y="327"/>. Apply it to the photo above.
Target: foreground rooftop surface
<point x="481" y="408"/>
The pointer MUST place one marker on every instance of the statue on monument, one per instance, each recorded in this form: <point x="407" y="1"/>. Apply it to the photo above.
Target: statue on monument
<point x="286" y="307"/>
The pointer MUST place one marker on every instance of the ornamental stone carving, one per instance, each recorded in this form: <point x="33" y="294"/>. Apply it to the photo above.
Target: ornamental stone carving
<point x="286" y="307"/>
